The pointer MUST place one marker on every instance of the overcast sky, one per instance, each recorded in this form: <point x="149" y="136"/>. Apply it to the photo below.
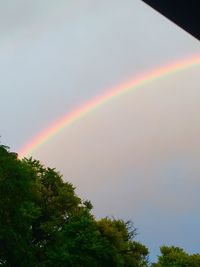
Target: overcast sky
<point x="137" y="157"/>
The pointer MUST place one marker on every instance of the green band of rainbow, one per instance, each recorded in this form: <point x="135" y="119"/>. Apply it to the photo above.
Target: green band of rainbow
<point x="79" y="112"/>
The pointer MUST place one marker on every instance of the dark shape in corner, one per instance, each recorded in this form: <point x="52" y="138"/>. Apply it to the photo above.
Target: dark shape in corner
<point x="186" y="14"/>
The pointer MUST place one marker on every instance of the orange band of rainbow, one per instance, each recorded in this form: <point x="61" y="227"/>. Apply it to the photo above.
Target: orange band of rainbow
<point x="79" y="112"/>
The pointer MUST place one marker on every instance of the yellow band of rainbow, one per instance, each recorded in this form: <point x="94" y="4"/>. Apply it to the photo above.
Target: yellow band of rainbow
<point x="81" y="111"/>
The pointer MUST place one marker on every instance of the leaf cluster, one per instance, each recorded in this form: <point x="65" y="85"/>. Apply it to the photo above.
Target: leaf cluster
<point x="172" y="256"/>
<point x="44" y="223"/>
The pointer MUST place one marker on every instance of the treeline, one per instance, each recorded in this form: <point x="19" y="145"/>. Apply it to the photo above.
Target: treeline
<point x="44" y="223"/>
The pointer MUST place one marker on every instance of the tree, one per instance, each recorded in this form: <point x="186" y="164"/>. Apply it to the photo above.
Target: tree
<point x="124" y="250"/>
<point x="17" y="211"/>
<point x="194" y="260"/>
<point x="44" y="223"/>
<point x="172" y="256"/>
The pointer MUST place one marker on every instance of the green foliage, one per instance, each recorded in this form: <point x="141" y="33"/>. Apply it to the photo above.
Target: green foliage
<point x="176" y="257"/>
<point x="119" y="236"/>
<point x="17" y="211"/>
<point x="44" y="223"/>
<point x="194" y="260"/>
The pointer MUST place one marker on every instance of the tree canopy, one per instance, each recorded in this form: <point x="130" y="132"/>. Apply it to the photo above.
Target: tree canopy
<point x="172" y="256"/>
<point x="44" y="223"/>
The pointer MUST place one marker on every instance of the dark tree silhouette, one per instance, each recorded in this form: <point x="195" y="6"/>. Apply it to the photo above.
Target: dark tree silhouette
<point x="44" y="223"/>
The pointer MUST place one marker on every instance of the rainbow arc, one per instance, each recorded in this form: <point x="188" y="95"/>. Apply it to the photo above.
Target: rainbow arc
<point x="79" y="112"/>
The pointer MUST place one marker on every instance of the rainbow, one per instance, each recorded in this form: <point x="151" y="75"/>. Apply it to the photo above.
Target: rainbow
<point x="79" y="112"/>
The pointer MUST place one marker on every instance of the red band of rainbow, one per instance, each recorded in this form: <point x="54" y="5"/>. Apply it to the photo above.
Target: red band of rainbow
<point x="79" y="112"/>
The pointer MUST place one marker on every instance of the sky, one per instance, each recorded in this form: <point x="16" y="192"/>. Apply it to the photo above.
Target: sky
<point x="137" y="156"/>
